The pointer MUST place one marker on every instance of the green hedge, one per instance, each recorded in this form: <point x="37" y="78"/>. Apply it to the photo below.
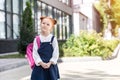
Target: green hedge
<point x="89" y="44"/>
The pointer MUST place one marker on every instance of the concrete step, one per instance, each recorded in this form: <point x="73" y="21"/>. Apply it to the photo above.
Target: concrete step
<point x="10" y="63"/>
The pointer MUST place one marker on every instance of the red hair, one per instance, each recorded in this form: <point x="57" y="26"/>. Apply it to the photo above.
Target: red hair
<point x="52" y="20"/>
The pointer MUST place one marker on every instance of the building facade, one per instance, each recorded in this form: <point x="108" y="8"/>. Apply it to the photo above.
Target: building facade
<point x="80" y="22"/>
<point x="86" y="8"/>
<point x="11" y="11"/>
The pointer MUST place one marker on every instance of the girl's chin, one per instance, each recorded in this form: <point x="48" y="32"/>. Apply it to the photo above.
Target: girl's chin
<point x="45" y="31"/>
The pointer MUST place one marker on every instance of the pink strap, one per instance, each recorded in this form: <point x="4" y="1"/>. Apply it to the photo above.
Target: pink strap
<point x="38" y="41"/>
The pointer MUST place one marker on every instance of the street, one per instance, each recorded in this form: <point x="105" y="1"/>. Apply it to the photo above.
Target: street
<point x="84" y="70"/>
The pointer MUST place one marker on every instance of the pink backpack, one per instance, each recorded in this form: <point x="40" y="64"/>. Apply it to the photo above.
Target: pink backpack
<point x="29" y="51"/>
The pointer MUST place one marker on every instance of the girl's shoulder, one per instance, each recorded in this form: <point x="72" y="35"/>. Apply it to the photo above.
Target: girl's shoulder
<point x="52" y="37"/>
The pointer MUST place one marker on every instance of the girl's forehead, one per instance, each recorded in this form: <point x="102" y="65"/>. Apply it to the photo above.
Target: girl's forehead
<point x="47" y="20"/>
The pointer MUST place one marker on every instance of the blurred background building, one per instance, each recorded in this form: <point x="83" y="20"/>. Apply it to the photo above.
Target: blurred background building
<point x="71" y="15"/>
<point x="10" y="21"/>
<point x="85" y="15"/>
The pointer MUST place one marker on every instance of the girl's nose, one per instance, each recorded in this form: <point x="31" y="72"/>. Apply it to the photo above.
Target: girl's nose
<point x="45" y="24"/>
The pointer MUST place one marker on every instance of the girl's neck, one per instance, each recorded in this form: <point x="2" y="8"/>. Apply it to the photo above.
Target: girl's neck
<point x="45" y="34"/>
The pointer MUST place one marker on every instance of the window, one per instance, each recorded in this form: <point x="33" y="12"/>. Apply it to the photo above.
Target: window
<point x="2" y="2"/>
<point x="9" y="27"/>
<point x="15" y="26"/>
<point x="8" y="5"/>
<point x="67" y="26"/>
<point x="50" y="11"/>
<point x="64" y="1"/>
<point x="38" y="22"/>
<point x="58" y="23"/>
<point x="64" y="25"/>
<point x="44" y="9"/>
<point x="2" y="25"/>
<point x="54" y="16"/>
<point x="67" y="2"/>
<point x="15" y="6"/>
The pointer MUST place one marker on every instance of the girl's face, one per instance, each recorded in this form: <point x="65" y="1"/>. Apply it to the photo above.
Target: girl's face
<point x="46" y="25"/>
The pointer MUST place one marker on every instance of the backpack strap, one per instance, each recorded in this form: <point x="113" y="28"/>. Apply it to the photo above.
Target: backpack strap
<point x="38" y="40"/>
<point x="52" y="39"/>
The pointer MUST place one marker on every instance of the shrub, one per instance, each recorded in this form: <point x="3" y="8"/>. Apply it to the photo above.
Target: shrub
<point x="89" y="44"/>
<point x="26" y="29"/>
<point x="61" y="42"/>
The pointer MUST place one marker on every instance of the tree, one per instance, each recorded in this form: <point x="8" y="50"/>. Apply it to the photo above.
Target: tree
<point x="27" y="32"/>
<point x="100" y="6"/>
<point x="110" y="12"/>
<point x="115" y="7"/>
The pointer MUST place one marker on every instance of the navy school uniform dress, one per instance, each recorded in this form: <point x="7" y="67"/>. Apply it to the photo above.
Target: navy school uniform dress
<point x="45" y="51"/>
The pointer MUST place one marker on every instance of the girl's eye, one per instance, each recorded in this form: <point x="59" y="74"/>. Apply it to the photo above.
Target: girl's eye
<point x="43" y="23"/>
<point x="47" y="24"/>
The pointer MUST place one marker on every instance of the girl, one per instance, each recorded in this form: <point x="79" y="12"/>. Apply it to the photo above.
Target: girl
<point x="47" y="55"/>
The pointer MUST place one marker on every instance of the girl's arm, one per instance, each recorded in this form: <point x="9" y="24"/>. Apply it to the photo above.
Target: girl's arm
<point x="36" y="56"/>
<point x="55" y="54"/>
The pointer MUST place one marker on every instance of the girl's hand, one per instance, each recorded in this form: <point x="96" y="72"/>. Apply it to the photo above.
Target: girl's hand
<point x="44" y="65"/>
<point x="48" y="64"/>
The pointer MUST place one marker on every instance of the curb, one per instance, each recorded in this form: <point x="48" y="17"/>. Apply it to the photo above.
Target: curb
<point x="11" y="53"/>
<point x="7" y="64"/>
<point x="79" y="59"/>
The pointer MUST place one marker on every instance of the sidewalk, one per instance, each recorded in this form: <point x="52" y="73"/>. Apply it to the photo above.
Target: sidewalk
<point x="88" y="70"/>
<point x="80" y="68"/>
<point x="10" y="63"/>
<point x="18" y="69"/>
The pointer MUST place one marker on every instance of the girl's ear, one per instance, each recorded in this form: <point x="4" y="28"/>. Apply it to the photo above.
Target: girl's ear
<point x="42" y="17"/>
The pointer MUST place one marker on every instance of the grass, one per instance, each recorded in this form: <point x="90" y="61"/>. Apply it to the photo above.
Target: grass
<point x="13" y="56"/>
